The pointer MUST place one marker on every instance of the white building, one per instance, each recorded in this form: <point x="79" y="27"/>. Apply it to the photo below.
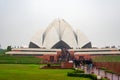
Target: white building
<point x="59" y="34"/>
<point x="50" y="43"/>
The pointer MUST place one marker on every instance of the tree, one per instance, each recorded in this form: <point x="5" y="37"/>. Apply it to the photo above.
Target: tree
<point x="9" y="48"/>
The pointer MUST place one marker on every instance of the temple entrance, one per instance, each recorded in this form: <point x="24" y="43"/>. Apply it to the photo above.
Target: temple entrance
<point x="65" y="55"/>
<point x="51" y="58"/>
<point x="81" y="57"/>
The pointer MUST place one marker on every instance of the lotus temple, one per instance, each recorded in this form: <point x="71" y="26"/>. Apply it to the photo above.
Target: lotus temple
<point x="59" y="41"/>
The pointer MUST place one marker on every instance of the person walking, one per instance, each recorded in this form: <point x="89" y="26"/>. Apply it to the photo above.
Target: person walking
<point x="90" y="65"/>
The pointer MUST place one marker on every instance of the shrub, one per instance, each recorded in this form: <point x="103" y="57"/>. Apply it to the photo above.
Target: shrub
<point x="2" y="51"/>
<point x="104" y="79"/>
<point x="78" y="71"/>
<point x="73" y="68"/>
<point x="48" y="65"/>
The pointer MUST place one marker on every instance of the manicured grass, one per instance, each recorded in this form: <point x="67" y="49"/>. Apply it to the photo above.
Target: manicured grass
<point x="12" y="59"/>
<point x="33" y="72"/>
<point x="111" y="58"/>
<point x="8" y="59"/>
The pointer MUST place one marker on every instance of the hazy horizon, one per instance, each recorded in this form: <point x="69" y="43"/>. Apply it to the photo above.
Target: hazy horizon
<point x="21" y="19"/>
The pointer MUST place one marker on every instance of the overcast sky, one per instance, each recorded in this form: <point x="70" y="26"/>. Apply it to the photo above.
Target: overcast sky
<point x="21" y="19"/>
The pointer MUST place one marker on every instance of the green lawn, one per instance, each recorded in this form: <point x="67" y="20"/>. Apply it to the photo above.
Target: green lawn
<point x="113" y="58"/>
<point x="12" y="59"/>
<point x="8" y="59"/>
<point x="33" y="72"/>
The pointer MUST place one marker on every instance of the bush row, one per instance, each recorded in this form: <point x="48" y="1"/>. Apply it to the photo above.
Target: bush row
<point x="106" y="70"/>
<point x="91" y="76"/>
<point x="80" y="73"/>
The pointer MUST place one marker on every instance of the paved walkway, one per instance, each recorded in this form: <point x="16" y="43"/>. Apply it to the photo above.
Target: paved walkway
<point x="102" y="73"/>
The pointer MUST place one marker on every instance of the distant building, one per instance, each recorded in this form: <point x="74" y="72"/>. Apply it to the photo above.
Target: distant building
<point x="59" y="34"/>
<point x="60" y="41"/>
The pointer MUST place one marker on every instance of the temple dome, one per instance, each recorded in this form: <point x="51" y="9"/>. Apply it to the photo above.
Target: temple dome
<point x="59" y="34"/>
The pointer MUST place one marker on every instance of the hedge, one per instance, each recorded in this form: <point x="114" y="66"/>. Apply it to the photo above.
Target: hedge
<point x="80" y="73"/>
<point x="106" y="70"/>
<point x="91" y="76"/>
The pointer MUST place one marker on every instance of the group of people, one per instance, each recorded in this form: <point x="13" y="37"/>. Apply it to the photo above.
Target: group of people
<point x="78" y="63"/>
<point x="84" y="64"/>
<point x="65" y="55"/>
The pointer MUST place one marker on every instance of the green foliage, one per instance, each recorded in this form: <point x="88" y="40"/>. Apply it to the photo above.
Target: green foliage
<point x="106" y="70"/>
<point x="33" y="72"/>
<point x="12" y="59"/>
<point x="48" y="65"/>
<point x="104" y="79"/>
<point x="109" y="71"/>
<point x="91" y="76"/>
<point x="102" y="68"/>
<point x="9" y="48"/>
<point x="107" y="58"/>
<point x="78" y="71"/>
<point x="2" y="51"/>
